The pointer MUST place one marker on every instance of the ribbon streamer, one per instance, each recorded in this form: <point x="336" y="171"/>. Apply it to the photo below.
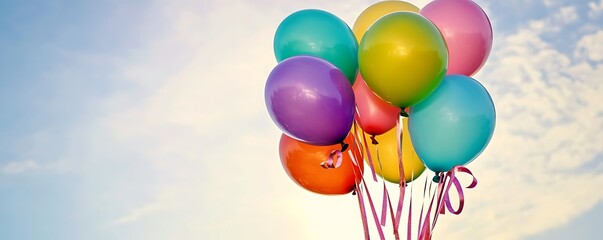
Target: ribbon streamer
<point x="358" y="192"/>
<point x="425" y="230"/>
<point x="409" y="223"/>
<point x="423" y="204"/>
<point x="402" y="177"/>
<point x="372" y="205"/>
<point x="368" y="153"/>
<point x="385" y="193"/>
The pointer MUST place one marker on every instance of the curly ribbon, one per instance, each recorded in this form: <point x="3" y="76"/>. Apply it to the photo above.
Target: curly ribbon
<point x="443" y="198"/>
<point x="330" y="163"/>
<point x="453" y="180"/>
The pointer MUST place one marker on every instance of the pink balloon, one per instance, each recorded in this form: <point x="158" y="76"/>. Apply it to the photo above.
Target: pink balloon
<point x="374" y="115"/>
<point x="467" y="32"/>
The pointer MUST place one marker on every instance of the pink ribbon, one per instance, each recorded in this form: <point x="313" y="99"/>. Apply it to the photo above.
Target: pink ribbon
<point x="385" y="193"/>
<point x="358" y="192"/>
<point x="370" y="160"/>
<point x="384" y="205"/>
<point x="368" y="152"/>
<point x="375" y="217"/>
<point x="330" y="163"/>
<point x="402" y="177"/>
<point x="423" y="204"/>
<point x="443" y="199"/>
<point x="362" y="205"/>
<point x="451" y="175"/>
<point x="425" y="230"/>
<point x="409" y="222"/>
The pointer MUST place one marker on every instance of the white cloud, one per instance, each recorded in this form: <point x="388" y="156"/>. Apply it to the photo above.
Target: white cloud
<point x="555" y="23"/>
<point x="590" y="46"/>
<point x="549" y="3"/>
<point x="137" y="213"/>
<point x="18" y="167"/>
<point x="595" y="9"/>
<point x="567" y="14"/>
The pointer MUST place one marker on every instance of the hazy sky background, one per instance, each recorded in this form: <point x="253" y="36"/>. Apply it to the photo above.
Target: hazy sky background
<point x="146" y="120"/>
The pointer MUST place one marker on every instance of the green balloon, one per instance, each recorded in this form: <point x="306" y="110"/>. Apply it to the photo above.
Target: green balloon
<point x="320" y="34"/>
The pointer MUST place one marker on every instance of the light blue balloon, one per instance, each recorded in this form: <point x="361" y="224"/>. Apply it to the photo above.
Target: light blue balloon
<point x="453" y="125"/>
<point x="319" y="34"/>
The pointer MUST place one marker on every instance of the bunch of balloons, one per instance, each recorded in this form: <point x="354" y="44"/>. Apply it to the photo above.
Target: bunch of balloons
<point x="335" y="87"/>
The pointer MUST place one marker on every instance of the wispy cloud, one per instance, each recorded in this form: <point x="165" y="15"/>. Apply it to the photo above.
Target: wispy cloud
<point x="567" y="14"/>
<point x="18" y="167"/>
<point x="595" y="8"/>
<point x="590" y="47"/>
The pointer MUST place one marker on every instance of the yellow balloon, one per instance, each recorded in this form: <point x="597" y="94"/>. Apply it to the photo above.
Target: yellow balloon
<point x="377" y="10"/>
<point x="388" y="156"/>
<point x="403" y="57"/>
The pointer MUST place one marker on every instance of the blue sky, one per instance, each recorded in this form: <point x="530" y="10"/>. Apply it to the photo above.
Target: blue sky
<point x="146" y="120"/>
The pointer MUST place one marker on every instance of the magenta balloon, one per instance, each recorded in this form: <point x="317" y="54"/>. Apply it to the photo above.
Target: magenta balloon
<point x="311" y="100"/>
<point x="467" y="32"/>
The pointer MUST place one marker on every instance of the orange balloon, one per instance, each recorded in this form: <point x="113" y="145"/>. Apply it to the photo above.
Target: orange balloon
<point x="302" y="162"/>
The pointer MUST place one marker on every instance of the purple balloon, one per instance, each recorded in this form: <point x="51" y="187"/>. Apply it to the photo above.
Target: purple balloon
<point x="310" y="100"/>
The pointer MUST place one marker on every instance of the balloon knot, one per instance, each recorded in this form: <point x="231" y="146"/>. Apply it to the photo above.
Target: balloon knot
<point x="437" y="177"/>
<point x="403" y="112"/>
<point x="374" y="141"/>
<point x="354" y="192"/>
<point x="344" y="146"/>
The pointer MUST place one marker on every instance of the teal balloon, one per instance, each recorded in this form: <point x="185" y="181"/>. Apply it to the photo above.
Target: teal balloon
<point x="453" y="125"/>
<point x="320" y="34"/>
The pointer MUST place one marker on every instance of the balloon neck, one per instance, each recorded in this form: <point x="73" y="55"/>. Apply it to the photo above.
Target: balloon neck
<point x="403" y="112"/>
<point x="344" y="146"/>
<point x="437" y="177"/>
<point x="374" y="141"/>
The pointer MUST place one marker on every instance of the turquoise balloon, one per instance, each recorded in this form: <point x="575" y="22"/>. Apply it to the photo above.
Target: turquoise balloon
<point x="453" y="125"/>
<point x="320" y="34"/>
